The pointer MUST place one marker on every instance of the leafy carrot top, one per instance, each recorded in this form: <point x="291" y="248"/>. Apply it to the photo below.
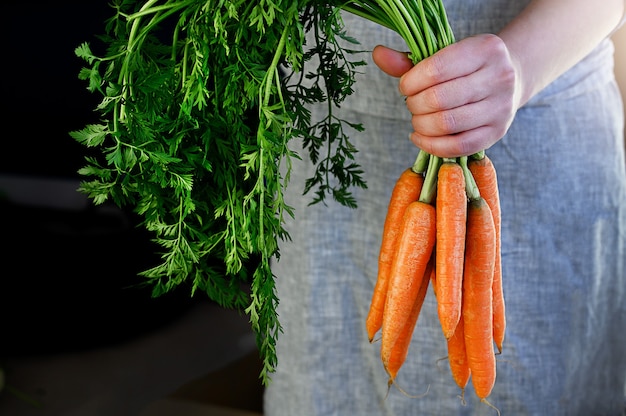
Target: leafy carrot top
<point x="199" y="102"/>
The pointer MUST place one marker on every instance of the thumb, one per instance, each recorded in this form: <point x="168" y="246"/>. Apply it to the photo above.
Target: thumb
<point x="390" y="61"/>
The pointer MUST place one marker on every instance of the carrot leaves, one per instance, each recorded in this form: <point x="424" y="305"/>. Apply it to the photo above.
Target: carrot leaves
<point x="199" y="103"/>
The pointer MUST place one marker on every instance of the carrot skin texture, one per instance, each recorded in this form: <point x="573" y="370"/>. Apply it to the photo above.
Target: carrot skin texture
<point x="400" y="349"/>
<point x="477" y="296"/>
<point x="451" y="204"/>
<point x="485" y="175"/>
<point x="408" y="270"/>
<point x="406" y="190"/>
<point x="457" y="356"/>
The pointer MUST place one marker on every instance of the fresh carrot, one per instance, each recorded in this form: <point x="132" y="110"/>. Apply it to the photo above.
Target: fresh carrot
<point x="406" y="190"/>
<point x="451" y="204"/>
<point x="457" y="356"/>
<point x="484" y="174"/>
<point x="400" y="349"/>
<point x="477" y="296"/>
<point x="413" y="253"/>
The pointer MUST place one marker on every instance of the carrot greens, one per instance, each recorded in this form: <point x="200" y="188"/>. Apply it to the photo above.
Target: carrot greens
<point x="200" y="100"/>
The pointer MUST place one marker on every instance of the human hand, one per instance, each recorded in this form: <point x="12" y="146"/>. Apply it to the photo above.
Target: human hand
<point x="462" y="99"/>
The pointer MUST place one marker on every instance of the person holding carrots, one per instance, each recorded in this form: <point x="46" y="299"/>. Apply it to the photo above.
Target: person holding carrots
<point x="531" y="82"/>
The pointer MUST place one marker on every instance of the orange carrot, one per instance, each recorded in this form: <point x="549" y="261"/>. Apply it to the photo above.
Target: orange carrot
<point x="400" y="349"/>
<point x="451" y="204"/>
<point x="457" y="356"/>
<point x="413" y="253"/>
<point x="484" y="174"/>
<point x="477" y="296"/>
<point x="406" y="190"/>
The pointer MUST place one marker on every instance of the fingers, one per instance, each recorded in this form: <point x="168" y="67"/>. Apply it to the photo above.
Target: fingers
<point x="465" y="143"/>
<point x="449" y="95"/>
<point x="391" y="62"/>
<point x="462" y="104"/>
<point x="464" y="129"/>
<point x="454" y="61"/>
<point x="463" y="98"/>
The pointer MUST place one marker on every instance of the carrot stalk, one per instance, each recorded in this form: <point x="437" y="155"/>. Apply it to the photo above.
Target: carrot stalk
<point x="421" y="162"/>
<point x="429" y="189"/>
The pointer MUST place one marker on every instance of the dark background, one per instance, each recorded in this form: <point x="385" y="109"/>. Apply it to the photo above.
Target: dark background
<point x="44" y="99"/>
<point x="69" y="278"/>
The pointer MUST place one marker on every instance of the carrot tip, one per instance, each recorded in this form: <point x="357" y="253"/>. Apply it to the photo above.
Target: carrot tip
<point x="462" y="397"/>
<point x="392" y="382"/>
<point x="485" y="401"/>
<point x="448" y="334"/>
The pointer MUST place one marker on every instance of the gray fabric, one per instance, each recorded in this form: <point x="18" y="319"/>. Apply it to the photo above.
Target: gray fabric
<point x="562" y="184"/>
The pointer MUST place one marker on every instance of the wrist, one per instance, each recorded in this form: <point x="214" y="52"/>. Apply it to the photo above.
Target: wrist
<point x="523" y="88"/>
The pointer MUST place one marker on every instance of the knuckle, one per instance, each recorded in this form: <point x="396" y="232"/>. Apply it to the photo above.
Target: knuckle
<point x="466" y="147"/>
<point x="435" y="68"/>
<point x="416" y="123"/>
<point x="435" y="98"/>
<point x="447" y="122"/>
<point x="494" y="43"/>
<point x="507" y="74"/>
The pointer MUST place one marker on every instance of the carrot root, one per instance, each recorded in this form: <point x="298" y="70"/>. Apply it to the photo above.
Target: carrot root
<point x="408" y="283"/>
<point x="406" y="190"/>
<point x="477" y="297"/>
<point x="451" y="204"/>
<point x="485" y="175"/>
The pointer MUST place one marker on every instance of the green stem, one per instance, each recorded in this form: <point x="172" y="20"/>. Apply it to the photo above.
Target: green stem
<point x="444" y="29"/>
<point x="429" y="189"/>
<point x="138" y="33"/>
<point x="426" y="29"/>
<point x="421" y="162"/>
<point x="130" y="50"/>
<point x="419" y="50"/>
<point x="478" y="155"/>
<point x="369" y="12"/>
<point x="471" y="189"/>
<point x="273" y="68"/>
<point x="264" y="103"/>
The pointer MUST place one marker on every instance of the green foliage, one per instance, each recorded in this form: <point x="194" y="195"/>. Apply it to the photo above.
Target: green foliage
<point x="197" y="113"/>
<point x="200" y="100"/>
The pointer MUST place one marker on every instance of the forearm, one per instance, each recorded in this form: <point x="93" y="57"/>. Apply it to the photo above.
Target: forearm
<point x="550" y="36"/>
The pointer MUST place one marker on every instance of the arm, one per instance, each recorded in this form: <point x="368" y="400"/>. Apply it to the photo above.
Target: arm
<point x="464" y="98"/>
<point x="546" y="39"/>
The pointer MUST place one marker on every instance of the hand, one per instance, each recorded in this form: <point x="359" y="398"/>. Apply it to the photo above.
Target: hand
<point x="462" y="99"/>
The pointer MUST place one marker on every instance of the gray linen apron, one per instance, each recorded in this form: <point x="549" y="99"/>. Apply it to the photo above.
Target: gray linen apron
<point x="562" y="185"/>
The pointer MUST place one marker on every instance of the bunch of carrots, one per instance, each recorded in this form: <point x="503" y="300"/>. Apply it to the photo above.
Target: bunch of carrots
<point x="443" y="229"/>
